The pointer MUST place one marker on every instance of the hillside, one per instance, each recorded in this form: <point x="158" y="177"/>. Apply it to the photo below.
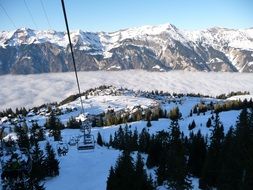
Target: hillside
<point x="153" y="48"/>
<point x="90" y="169"/>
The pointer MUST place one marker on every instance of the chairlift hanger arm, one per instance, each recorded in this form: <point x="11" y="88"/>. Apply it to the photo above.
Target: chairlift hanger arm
<point x="72" y="53"/>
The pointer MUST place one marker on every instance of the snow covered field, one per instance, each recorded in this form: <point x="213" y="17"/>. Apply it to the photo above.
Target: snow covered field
<point x="34" y="90"/>
<point x="99" y="104"/>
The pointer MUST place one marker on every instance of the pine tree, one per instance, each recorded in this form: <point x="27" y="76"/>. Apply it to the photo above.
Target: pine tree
<point x="123" y="177"/>
<point x="209" y="123"/>
<point x="192" y="125"/>
<point x="195" y="109"/>
<point x="111" y="183"/>
<point x="36" y="133"/>
<point x="190" y="113"/>
<point x="99" y="139"/>
<point x="133" y="144"/>
<point x="157" y="144"/>
<point x="111" y="141"/>
<point x="212" y="166"/>
<point x="244" y="147"/>
<point x="127" y="175"/>
<point x="36" y="185"/>
<point x="149" y="123"/>
<point x="54" y="125"/>
<point x="12" y="174"/>
<point x="197" y="153"/>
<point x="38" y="163"/>
<point x="143" y="183"/>
<point x="144" y="141"/>
<point x="73" y="123"/>
<point x="176" y="173"/>
<point x="22" y="134"/>
<point x="52" y="164"/>
<point x="229" y="174"/>
<point x="165" y="114"/>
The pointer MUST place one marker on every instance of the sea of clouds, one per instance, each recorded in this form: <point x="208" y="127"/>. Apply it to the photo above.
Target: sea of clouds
<point x="34" y="90"/>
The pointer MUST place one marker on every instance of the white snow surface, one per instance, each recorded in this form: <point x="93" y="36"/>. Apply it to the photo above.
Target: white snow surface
<point x="98" y="104"/>
<point x="84" y="170"/>
<point x="241" y="97"/>
<point x="89" y="170"/>
<point x="219" y="37"/>
<point x="103" y="42"/>
<point x="34" y="90"/>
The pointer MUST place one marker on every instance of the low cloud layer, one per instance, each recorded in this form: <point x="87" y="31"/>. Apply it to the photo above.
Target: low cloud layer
<point x="34" y="90"/>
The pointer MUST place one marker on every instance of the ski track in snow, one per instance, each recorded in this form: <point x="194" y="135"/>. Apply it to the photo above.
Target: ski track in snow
<point x="34" y="90"/>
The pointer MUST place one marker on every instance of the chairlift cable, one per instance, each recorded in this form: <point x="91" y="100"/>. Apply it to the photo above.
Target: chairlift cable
<point x="6" y="13"/>
<point x="72" y="54"/>
<point x="45" y="13"/>
<point x="30" y="14"/>
<point x="88" y="139"/>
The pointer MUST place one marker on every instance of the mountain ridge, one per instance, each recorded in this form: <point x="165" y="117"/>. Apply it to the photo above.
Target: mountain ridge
<point x="154" y="48"/>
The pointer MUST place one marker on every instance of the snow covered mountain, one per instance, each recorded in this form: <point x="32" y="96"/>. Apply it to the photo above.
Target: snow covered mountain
<point x="154" y="48"/>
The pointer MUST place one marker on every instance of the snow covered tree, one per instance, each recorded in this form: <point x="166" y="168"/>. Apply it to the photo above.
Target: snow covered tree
<point x="54" y="125"/>
<point x="38" y="163"/>
<point x="73" y="123"/>
<point x="35" y="185"/>
<point x="52" y="164"/>
<point x="22" y="134"/>
<point x="37" y="133"/>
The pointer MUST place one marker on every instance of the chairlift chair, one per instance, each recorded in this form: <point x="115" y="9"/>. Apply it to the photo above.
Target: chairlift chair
<point x="72" y="141"/>
<point x="62" y="148"/>
<point x="87" y="141"/>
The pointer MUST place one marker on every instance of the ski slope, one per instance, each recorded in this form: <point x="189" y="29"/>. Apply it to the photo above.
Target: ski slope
<point x="89" y="170"/>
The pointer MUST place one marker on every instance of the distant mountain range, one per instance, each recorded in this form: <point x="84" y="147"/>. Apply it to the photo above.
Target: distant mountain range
<point x="152" y="48"/>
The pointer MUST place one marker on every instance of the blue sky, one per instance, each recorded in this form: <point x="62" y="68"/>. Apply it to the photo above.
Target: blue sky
<point x="111" y="15"/>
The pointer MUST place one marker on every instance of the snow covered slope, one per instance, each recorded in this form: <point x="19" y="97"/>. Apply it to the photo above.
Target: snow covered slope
<point x="99" y="104"/>
<point x="89" y="170"/>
